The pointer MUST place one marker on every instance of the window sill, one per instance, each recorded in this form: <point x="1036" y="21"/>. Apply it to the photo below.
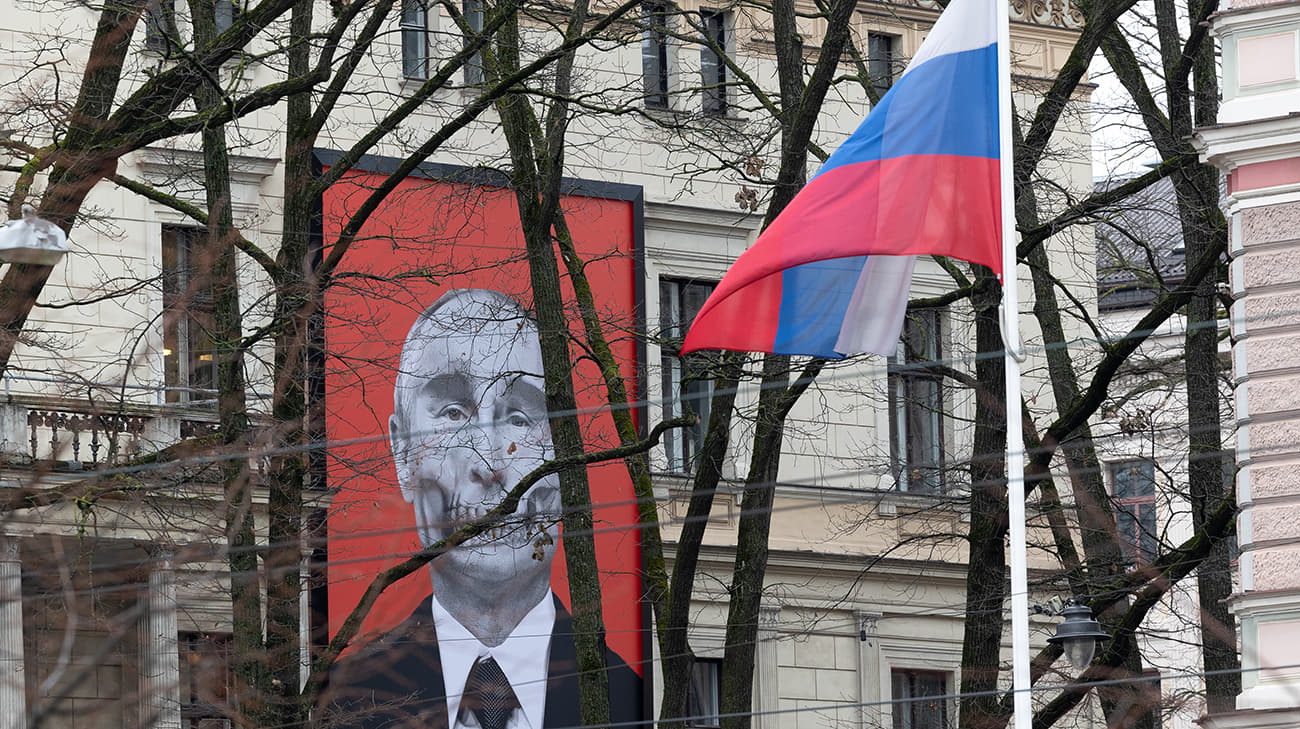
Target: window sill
<point x="674" y="115"/>
<point x="892" y="502"/>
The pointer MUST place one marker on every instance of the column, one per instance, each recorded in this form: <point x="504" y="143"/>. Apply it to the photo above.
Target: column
<point x="1257" y="143"/>
<point x="869" y="668"/>
<point x="160" y="700"/>
<point x="13" y="690"/>
<point x="767" y="668"/>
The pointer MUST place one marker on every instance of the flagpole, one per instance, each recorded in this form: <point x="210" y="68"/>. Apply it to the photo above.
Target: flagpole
<point x="1014" y="354"/>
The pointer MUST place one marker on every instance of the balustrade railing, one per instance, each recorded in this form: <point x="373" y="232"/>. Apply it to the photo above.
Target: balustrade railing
<point x="67" y="436"/>
<point x="105" y="438"/>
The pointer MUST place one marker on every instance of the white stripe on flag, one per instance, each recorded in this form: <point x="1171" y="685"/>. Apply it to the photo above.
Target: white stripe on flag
<point x="874" y="319"/>
<point x="964" y="26"/>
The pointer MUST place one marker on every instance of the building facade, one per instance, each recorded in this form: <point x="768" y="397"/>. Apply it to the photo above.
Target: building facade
<point x="115" y="602"/>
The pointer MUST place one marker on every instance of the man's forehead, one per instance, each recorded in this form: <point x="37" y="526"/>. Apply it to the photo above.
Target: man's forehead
<point x="485" y="348"/>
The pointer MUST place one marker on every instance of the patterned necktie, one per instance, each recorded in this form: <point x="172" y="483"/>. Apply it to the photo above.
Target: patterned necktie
<point x="488" y="694"/>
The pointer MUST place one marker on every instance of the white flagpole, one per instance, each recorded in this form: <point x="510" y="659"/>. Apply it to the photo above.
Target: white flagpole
<point x="1014" y="355"/>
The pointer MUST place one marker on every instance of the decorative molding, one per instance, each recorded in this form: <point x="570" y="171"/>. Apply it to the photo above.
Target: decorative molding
<point x="1057" y="13"/>
<point x="159" y="162"/>
<point x="869" y="623"/>
<point x="163" y="167"/>
<point x="10" y="549"/>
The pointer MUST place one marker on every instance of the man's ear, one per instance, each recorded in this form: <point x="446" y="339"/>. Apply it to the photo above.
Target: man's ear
<point x="398" y="442"/>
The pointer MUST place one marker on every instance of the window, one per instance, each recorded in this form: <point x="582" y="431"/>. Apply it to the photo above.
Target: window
<point x="918" y="699"/>
<point x="1134" y="488"/>
<point x="160" y="34"/>
<point x="205" y="680"/>
<point x="703" y="693"/>
<point x="415" y="39"/>
<point x="189" y="370"/>
<point x="916" y="405"/>
<point x="227" y="13"/>
<point x="473" y="10"/>
<point x="654" y="54"/>
<point x="685" y="382"/>
<point x="711" y="63"/>
<point x="880" y="61"/>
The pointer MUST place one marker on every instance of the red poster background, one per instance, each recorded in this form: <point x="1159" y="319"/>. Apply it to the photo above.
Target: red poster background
<point x="427" y="238"/>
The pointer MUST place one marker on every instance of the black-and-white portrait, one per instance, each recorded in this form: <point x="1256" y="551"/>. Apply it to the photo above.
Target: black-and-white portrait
<point x="492" y="646"/>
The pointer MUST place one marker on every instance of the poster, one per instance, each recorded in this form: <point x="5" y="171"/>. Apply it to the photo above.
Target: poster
<point x="434" y="407"/>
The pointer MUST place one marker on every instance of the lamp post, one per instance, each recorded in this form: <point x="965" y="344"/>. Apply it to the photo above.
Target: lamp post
<point x="1079" y="634"/>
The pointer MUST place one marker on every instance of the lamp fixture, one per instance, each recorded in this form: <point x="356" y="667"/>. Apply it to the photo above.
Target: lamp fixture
<point x="32" y="240"/>
<point x="1079" y="634"/>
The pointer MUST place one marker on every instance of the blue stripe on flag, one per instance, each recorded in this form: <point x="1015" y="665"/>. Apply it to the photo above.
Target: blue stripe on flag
<point x="943" y="107"/>
<point x="814" y="300"/>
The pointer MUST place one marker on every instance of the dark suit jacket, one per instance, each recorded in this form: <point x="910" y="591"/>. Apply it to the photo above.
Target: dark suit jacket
<point x="395" y="681"/>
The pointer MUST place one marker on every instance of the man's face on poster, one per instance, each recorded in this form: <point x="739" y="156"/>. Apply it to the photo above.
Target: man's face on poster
<point x="471" y="421"/>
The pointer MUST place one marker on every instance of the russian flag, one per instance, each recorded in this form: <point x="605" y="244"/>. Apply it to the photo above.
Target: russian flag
<point x="830" y="276"/>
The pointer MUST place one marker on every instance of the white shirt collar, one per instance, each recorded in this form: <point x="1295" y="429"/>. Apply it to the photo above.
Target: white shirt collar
<point x="524" y="656"/>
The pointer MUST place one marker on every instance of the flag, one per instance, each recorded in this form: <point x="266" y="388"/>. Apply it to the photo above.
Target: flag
<point x="830" y="276"/>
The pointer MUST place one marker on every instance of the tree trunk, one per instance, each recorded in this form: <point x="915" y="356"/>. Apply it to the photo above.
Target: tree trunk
<point x="215" y="268"/>
<point x="986" y="582"/>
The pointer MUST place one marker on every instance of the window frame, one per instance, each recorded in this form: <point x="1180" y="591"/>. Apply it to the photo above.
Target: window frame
<point x="917" y="400"/>
<point x="414" y="25"/>
<point x="232" y="8"/>
<point x="474" y="12"/>
<point x="905" y="709"/>
<point x="656" y="62"/>
<point x="1136" y="514"/>
<point x="683" y="382"/>
<point x="186" y="304"/>
<point x="882" y="71"/>
<point x="197" y="705"/>
<point x="713" y="71"/>
<point x="700" y="715"/>
<point x="161" y="34"/>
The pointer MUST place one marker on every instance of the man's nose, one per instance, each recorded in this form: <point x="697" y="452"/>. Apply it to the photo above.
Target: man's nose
<point x="492" y="454"/>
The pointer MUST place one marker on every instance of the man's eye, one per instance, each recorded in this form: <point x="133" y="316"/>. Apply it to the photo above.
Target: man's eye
<point x="518" y="419"/>
<point x="454" y="413"/>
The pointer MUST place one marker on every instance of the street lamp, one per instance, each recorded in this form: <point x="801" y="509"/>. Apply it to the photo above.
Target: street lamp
<point x="1079" y="634"/>
<point x="32" y="240"/>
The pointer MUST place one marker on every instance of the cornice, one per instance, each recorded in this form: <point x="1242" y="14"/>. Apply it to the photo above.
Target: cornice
<point x="244" y="169"/>
<point x="1228" y="146"/>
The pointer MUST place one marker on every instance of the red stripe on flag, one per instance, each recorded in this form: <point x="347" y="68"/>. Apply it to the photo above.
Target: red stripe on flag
<point x="918" y="205"/>
<point x="915" y="205"/>
<point x="745" y="322"/>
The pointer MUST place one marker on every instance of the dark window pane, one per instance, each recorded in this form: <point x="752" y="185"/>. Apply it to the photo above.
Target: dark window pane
<point x="686" y="382"/>
<point x="1134" y="489"/>
<point x="1147" y="537"/>
<point x="473" y="10"/>
<point x="916" y="402"/>
<point x="703" y="693"/>
<point x="1134" y="479"/>
<point x="415" y="50"/>
<point x="880" y="61"/>
<point x="160" y="33"/>
<point x="227" y="14"/>
<point x="189" y="365"/>
<point x="918" y="702"/>
<point x="711" y="65"/>
<point x="654" y="54"/>
<point x="205" y="673"/>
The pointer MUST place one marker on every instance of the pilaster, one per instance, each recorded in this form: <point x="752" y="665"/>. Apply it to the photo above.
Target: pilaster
<point x="869" y="668"/>
<point x="160" y="704"/>
<point x="13" y="693"/>
<point x="767" y="668"/>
